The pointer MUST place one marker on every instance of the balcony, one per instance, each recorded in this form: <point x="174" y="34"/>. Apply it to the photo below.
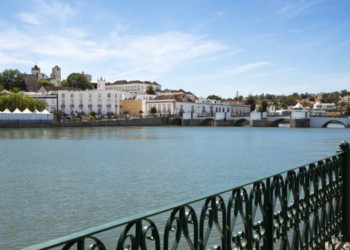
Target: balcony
<point x="90" y="105"/>
<point x="99" y="105"/>
<point x="109" y="105"/>
<point x="63" y="106"/>
<point x="81" y="106"/>
<point x="71" y="106"/>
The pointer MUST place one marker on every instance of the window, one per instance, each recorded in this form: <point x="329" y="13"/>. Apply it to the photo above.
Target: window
<point x="211" y="109"/>
<point x="181" y="107"/>
<point x="169" y="108"/>
<point x="71" y="95"/>
<point x="109" y="95"/>
<point x="192" y="108"/>
<point x="53" y="101"/>
<point x="63" y="95"/>
<point x="203" y="109"/>
<point x="99" y="95"/>
<point x="90" y="95"/>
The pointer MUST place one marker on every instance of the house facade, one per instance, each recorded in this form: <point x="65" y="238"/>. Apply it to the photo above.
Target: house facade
<point x="99" y="101"/>
<point x="181" y="103"/>
<point x="136" y="87"/>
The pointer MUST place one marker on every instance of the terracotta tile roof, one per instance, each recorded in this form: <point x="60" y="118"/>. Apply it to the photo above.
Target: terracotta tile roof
<point x="122" y="82"/>
<point x="55" y="88"/>
<point x="178" y="97"/>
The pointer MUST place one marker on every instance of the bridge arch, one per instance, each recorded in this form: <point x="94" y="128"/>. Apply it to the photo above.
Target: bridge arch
<point x="241" y="122"/>
<point x="176" y="121"/>
<point x="207" y="122"/>
<point x="278" y="121"/>
<point x="333" y="121"/>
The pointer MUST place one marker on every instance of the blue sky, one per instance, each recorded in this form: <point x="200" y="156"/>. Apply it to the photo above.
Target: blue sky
<point x="204" y="46"/>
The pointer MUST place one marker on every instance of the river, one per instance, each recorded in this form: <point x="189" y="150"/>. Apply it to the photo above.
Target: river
<point x="56" y="181"/>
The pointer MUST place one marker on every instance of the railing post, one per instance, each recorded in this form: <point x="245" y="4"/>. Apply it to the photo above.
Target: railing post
<point x="345" y="148"/>
<point x="269" y="215"/>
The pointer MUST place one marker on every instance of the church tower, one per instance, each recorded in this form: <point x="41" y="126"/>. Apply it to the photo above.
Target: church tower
<point x="101" y="83"/>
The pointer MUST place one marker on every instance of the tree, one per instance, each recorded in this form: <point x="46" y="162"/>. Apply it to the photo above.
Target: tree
<point x="42" y="83"/>
<point x="264" y="106"/>
<point x="57" y="114"/>
<point x="110" y="114"/>
<point x="92" y="113"/>
<point x="64" y="83"/>
<point x="78" y="80"/>
<point x="153" y="110"/>
<point x="250" y="100"/>
<point x="214" y="97"/>
<point x="10" y="78"/>
<point x="20" y="101"/>
<point x="150" y="90"/>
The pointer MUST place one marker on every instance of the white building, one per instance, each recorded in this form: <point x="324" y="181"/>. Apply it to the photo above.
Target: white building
<point x="136" y="87"/>
<point x="51" y="100"/>
<point x="77" y="101"/>
<point x="180" y="104"/>
<point x="324" y="106"/>
<point x="99" y="101"/>
<point x="346" y="99"/>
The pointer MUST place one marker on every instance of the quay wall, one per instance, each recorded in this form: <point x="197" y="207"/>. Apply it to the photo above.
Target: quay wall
<point x="132" y="122"/>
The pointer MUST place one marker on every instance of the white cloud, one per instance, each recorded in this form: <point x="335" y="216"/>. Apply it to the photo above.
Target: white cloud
<point x="28" y="18"/>
<point x="294" y="8"/>
<point x="245" y="68"/>
<point x="42" y="12"/>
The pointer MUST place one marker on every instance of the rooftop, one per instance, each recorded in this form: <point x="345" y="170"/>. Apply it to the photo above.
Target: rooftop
<point x="123" y="82"/>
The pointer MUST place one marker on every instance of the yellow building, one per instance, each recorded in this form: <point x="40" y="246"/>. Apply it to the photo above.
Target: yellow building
<point x="133" y="107"/>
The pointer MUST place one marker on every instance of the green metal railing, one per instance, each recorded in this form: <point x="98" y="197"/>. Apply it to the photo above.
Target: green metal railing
<point x="303" y="208"/>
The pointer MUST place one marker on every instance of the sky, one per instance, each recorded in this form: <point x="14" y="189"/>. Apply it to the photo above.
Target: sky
<point x="203" y="46"/>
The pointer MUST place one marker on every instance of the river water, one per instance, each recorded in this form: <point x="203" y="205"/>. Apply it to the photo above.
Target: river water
<point x="56" y="181"/>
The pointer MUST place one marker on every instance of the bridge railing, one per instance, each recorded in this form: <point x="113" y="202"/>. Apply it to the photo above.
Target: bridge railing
<point x="302" y="208"/>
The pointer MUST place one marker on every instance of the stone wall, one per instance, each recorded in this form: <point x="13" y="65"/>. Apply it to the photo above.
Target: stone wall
<point x="133" y="122"/>
<point x="300" y="123"/>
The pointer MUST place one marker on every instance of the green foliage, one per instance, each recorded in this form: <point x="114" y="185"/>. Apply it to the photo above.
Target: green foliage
<point x="78" y="80"/>
<point x="214" y="97"/>
<point x="251" y="100"/>
<point x="1" y="87"/>
<point x="126" y="112"/>
<point x="20" y="101"/>
<point x="264" y="106"/>
<point x="43" y="83"/>
<point x="64" y="83"/>
<point x="16" y="90"/>
<point x="92" y="113"/>
<point x="57" y="114"/>
<point x="10" y="79"/>
<point x="150" y="90"/>
<point x="110" y="114"/>
<point x="333" y="97"/>
<point x="153" y="110"/>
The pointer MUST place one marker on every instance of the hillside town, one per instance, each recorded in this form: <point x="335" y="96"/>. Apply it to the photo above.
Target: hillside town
<point x="79" y="97"/>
